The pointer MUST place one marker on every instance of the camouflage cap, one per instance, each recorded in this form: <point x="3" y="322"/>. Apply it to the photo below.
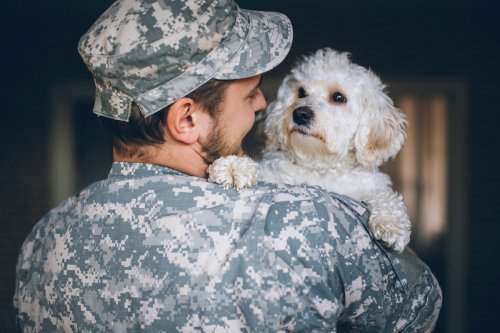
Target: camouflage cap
<point x="153" y="52"/>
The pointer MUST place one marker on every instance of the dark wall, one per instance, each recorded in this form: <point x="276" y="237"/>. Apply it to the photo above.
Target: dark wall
<point x="483" y="165"/>
<point x="416" y="39"/>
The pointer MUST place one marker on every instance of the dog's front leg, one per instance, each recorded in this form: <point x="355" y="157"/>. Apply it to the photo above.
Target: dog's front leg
<point x="389" y="220"/>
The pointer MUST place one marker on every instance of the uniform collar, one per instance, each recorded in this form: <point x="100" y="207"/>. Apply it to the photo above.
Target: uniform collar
<point x="132" y="169"/>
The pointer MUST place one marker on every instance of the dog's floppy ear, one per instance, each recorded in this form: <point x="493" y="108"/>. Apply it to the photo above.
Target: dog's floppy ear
<point x="381" y="132"/>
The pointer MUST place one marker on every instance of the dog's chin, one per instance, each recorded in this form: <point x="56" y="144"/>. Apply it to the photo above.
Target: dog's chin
<point x="298" y="134"/>
<point x="308" y="145"/>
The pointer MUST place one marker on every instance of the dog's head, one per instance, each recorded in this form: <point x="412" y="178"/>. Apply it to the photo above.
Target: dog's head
<point x="329" y="108"/>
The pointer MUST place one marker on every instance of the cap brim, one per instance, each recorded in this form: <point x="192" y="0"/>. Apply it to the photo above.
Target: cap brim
<point x="268" y="43"/>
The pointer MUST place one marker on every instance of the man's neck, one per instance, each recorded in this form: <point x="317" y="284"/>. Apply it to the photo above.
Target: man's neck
<point x="184" y="158"/>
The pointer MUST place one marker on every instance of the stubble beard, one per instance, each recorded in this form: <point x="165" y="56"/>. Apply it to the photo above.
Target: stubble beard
<point x="218" y="145"/>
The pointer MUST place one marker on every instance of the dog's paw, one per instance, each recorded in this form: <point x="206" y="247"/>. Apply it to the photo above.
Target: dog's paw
<point x="233" y="171"/>
<point x="395" y="235"/>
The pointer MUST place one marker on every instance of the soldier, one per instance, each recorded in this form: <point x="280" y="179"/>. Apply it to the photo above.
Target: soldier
<point x="156" y="247"/>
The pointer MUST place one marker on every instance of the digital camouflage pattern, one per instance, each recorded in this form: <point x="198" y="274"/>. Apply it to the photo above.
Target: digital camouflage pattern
<point x="152" y="249"/>
<point x="153" y="52"/>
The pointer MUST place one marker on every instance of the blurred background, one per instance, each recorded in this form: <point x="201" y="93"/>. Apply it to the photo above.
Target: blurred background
<point x="439" y="59"/>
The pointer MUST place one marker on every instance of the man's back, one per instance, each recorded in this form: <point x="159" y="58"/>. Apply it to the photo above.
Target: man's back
<point x="154" y="249"/>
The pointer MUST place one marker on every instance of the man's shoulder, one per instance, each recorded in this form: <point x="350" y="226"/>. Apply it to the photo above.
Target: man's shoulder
<point x="175" y="184"/>
<point x="293" y="193"/>
<point x="127" y="178"/>
<point x="325" y="202"/>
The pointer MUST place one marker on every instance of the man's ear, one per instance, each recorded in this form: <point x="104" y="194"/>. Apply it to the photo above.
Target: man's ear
<point x="186" y="120"/>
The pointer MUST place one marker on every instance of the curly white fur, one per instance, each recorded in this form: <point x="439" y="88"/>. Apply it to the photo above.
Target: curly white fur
<point x="348" y="129"/>
<point x="234" y="171"/>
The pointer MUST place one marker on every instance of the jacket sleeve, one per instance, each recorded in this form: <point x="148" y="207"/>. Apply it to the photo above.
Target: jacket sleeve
<point x="300" y="247"/>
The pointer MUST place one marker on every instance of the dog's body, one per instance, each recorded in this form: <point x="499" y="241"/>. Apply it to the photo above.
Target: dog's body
<point x="389" y="220"/>
<point x="332" y="125"/>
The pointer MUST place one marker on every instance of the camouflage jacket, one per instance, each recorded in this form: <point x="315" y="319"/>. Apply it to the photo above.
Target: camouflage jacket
<point x="152" y="249"/>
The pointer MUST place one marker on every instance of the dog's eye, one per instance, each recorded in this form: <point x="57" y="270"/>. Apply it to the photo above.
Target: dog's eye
<point x="302" y="93"/>
<point x="338" y="98"/>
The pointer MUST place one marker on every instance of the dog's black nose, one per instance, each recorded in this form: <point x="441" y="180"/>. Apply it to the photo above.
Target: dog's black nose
<point x="302" y="115"/>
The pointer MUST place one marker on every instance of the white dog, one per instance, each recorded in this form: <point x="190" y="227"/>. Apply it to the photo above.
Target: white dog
<point x="332" y="125"/>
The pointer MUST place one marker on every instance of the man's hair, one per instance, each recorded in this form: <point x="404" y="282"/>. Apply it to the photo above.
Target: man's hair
<point x="129" y="138"/>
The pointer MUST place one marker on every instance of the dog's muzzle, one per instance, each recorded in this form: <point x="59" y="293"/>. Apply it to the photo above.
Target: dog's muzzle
<point x="302" y="115"/>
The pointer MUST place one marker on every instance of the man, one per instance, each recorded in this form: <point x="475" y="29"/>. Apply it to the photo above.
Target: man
<point x="157" y="248"/>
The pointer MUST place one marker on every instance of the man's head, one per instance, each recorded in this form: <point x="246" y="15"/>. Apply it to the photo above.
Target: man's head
<point x="150" y="55"/>
<point x="131" y="138"/>
<point x="230" y="105"/>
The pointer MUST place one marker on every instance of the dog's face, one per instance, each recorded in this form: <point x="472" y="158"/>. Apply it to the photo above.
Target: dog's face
<point x="329" y="108"/>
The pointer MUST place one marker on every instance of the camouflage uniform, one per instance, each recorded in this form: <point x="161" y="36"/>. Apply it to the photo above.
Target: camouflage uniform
<point x="152" y="249"/>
